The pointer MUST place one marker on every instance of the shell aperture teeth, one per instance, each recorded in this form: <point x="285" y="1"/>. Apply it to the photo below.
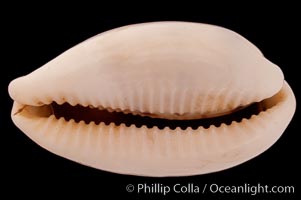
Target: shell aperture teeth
<point x="100" y="114"/>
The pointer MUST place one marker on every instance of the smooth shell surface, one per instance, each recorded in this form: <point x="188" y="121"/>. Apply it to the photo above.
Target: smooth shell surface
<point x="170" y="70"/>
<point x="197" y="70"/>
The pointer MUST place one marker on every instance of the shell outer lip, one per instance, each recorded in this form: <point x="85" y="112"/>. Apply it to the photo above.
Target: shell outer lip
<point x="120" y="55"/>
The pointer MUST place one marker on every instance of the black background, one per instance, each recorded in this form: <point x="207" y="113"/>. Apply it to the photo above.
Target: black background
<point x="34" y="36"/>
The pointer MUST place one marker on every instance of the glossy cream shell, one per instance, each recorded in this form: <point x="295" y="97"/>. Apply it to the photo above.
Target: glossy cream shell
<point x="174" y="70"/>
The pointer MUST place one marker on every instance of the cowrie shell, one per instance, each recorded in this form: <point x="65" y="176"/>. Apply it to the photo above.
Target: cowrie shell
<point x="168" y="71"/>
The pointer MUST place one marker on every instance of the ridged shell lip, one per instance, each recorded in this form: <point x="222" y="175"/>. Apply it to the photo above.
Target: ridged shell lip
<point x="100" y="114"/>
<point x="170" y="70"/>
